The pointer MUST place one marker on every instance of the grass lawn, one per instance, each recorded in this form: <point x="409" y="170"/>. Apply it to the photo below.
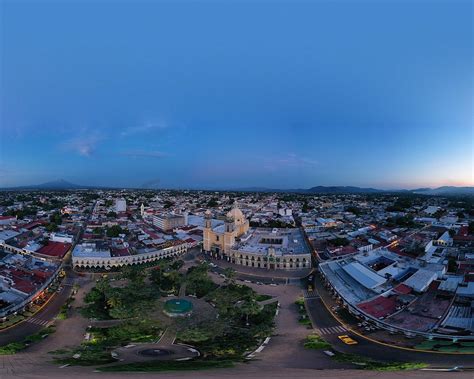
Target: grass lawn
<point x="261" y="297"/>
<point x="15" y="347"/>
<point x="364" y="363"/>
<point x="103" y="340"/>
<point x="446" y="346"/>
<point x="313" y="341"/>
<point x="241" y="326"/>
<point x="303" y="319"/>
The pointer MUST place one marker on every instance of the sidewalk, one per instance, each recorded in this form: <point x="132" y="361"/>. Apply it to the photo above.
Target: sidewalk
<point x="262" y="272"/>
<point x="351" y="322"/>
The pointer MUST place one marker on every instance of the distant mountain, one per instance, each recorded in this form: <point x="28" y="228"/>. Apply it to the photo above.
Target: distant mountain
<point x="259" y="189"/>
<point x="317" y="189"/>
<point x="62" y="184"/>
<point x="59" y="184"/>
<point x="342" y="190"/>
<point x="445" y="190"/>
<point x="335" y="190"/>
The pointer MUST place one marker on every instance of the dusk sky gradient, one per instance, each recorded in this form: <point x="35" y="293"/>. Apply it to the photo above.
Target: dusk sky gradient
<point x="237" y="94"/>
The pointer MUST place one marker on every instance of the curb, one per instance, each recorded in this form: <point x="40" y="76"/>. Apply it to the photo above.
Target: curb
<point x="349" y="329"/>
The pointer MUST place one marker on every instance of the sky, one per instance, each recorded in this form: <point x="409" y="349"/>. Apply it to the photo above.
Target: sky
<point x="232" y="94"/>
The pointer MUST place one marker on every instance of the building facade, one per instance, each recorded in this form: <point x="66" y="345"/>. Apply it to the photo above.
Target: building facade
<point x="271" y="249"/>
<point x="169" y="221"/>
<point x="220" y="239"/>
<point x="86" y="256"/>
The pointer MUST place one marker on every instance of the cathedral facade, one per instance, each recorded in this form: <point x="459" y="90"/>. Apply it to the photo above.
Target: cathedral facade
<point x="219" y="240"/>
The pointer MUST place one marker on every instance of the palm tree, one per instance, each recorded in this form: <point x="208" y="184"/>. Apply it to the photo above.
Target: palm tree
<point x="114" y="301"/>
<point x="249" y="308"/>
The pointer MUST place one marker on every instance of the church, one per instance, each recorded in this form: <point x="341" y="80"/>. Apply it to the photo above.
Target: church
<point x="219" y="239"/>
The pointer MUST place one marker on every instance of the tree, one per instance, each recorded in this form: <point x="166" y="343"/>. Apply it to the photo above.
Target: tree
<point x="114" y="231"/>
<point x="439" y="213"/>
<point x="52" y="227"/>
<point x="168" y="204"/>
<point x="471" y="227"/>
<point x="249" y="308"/>
<point x="114" y="301"/>
<point x="353" y="209"/>
<point x="229" y="273"/>
<point x="195" y="335"/>
<point x="212" y="203"/>
<point x="452" y="265"/>
<point x="56" y="218"/>
<point x="340" y="241"/>
<point x="135" y="274"/>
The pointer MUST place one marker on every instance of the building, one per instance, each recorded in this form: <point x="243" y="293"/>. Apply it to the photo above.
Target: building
<point x="120" y="205"/>
<point x="272" y="249"/>
<point x="22" y="280"/>
<point x="7" y="220"/>
<point x="169" y="221"/>
<point x="61" y="237"/>
<point x="264" y="248"/>
<point x="91" y="256"/>
<point x="219" y="239"/>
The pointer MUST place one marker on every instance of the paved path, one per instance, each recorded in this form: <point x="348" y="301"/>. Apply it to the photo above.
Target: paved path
<point x="269" y="301"/>
<point x="182" y="290"/>
<point x="283" y="356"/>
<point x="168" y="337"/>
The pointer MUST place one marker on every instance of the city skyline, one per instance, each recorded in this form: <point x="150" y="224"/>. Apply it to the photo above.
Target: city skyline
<point x="238" y="94"/>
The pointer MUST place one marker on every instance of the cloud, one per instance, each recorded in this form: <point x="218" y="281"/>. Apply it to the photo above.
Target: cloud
<point x="144" y="128"/>
<point x="289" y="160"/>
<point x="144" y="153"/>
<point x="84" y="145"/>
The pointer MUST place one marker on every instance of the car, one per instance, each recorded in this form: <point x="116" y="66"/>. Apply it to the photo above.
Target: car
<point x="347" y="340"/>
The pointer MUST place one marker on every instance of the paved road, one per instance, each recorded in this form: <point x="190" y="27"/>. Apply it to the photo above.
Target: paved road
<point x="330" y="328"/>
<point x="41" y="319"/>
<point x="283" y="357"/>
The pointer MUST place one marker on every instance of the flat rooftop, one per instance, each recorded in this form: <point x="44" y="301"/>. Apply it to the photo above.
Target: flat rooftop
<point x="284" y="241"/>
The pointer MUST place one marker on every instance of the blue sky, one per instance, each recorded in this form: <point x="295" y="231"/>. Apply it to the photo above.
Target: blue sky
<point x="236" y="94"/>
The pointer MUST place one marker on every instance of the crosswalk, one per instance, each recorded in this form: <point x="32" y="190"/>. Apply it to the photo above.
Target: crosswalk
<point x="310" y="294"/>
<point x="37" y="321"/>
<point x="331" y="330"/>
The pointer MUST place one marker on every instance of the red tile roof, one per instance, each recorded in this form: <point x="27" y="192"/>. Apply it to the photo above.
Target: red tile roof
<point x="7" y="217"/>
<point x="54" y="249"/>
<point x="403" y="289"/>
<point x="379" y="307"/>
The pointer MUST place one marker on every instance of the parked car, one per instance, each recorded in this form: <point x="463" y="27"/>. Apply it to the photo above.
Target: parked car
<point x="347" y="340"/>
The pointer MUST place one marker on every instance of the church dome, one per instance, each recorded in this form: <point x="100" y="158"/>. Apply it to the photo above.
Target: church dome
<point x="237" y="215"/>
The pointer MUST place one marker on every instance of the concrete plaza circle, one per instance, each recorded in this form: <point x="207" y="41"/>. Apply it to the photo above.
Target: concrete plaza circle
<point x="145" y="352"/>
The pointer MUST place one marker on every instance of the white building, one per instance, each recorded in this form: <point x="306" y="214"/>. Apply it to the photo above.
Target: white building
<point x="120" y="205"/>
<point x="60" y="237"/>
<point x="88" y="256"/>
